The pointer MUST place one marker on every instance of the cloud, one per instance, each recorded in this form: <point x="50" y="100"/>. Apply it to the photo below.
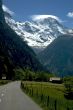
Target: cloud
<point x="70" y="14"/>
<point x="42" y="17"/>
<point x="6" y="9"/>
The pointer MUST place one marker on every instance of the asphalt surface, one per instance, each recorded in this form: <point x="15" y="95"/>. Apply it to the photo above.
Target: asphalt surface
<point x="12" y="98"/>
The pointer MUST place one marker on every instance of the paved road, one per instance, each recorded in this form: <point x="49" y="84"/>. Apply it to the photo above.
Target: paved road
<point x="12" y="98"/>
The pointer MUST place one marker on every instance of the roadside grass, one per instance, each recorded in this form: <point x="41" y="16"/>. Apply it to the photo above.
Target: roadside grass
<point x="49" y="96"/>
<point x="3" y="82"/>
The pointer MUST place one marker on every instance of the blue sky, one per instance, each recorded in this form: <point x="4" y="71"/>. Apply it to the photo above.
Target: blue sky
<point x="23" y="9"/>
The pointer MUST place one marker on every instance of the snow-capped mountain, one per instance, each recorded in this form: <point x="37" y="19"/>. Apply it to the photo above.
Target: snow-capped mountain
<point x="39" y="32"/>
<point x="70" y="31"/>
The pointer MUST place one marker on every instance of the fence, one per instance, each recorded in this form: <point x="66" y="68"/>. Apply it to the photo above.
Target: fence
<point x="45" y="101"/>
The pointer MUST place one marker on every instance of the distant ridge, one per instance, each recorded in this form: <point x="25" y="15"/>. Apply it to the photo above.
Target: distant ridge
<point x="58" y="56"/>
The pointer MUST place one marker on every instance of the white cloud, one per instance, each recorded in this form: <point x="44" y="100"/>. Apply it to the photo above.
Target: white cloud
<point x="70" y="14"/>
<point x="6" y="9"/>
<point x="41" y="17"/>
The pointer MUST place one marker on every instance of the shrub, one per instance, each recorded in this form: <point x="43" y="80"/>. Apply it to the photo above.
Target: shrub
<point x="69" y="88"/>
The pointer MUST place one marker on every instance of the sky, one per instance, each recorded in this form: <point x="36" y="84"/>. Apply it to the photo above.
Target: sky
<point x="23" y="10"/>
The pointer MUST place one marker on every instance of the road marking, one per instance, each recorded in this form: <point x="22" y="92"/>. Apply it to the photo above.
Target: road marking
<point x="2" y="94"/>
<point x="0" y="100"/>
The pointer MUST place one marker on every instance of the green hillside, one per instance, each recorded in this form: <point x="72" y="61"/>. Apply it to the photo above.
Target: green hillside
<point x="58" y="56"/>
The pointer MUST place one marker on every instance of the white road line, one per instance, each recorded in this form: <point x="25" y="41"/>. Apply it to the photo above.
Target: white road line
<point x="2" y="94"/>
<point x="0" y="100"/>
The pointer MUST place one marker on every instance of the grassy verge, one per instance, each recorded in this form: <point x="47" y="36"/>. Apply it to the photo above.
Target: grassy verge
<point x="48" y="96"/>
<point x="2" y="82"/>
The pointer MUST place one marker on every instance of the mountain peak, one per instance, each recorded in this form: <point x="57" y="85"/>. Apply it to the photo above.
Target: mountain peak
<point x="43" y="17"/>
<point x="40" y="32"/>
